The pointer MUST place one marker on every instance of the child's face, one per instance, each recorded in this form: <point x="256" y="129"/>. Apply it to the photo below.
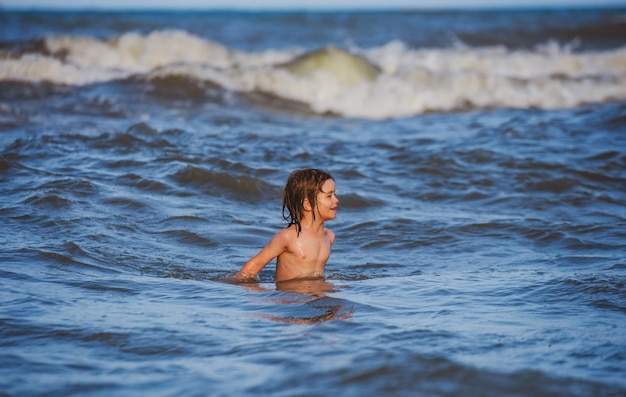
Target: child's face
<point x="327" y="201"/>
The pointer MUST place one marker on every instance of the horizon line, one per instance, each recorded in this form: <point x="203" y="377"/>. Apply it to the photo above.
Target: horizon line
<point x="492" y="7"/>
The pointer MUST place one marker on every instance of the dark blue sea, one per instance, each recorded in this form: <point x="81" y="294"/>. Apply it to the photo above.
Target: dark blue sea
<point x="480" y="164"/>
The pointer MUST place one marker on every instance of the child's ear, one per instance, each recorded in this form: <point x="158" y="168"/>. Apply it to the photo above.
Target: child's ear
<point x="307" y="205"/>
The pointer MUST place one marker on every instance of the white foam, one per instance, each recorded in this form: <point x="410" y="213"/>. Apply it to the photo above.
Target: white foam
<point x="39" y="68"/>
<point x="138" y="53"/>
<point x="414" y="82"/>
<point x="418" y="81"/>
<point x="410" y="82"/>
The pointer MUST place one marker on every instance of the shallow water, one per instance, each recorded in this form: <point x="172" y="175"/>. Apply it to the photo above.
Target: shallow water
<point x="479" y="251"/>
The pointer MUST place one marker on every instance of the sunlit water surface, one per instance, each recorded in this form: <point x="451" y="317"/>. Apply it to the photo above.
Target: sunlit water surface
<point x="480" y="249"/>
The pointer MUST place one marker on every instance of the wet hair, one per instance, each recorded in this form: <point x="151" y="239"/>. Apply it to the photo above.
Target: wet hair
<point x="302" y="184"/>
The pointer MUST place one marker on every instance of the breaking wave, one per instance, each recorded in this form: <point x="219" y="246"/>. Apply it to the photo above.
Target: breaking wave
<point x="380" y="82"/>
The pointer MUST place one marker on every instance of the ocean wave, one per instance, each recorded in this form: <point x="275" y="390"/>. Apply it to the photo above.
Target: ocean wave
<point x="600" y="291"/>
<point x="392" y="80"/>
<point x="356" y="201"/>
<point x="189" y="238"/>
<point x="219" y="183"/>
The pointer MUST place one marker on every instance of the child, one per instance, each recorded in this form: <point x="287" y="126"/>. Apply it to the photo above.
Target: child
<point x="303" y="247"/>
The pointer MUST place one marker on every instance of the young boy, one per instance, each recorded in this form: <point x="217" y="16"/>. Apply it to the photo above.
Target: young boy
<point x="303" y="247"/>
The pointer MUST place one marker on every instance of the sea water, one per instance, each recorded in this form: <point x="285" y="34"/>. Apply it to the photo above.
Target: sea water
<point x="480" y="164"/>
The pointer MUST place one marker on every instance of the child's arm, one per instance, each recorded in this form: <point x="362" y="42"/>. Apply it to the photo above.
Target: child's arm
<point x="277" y="245"/>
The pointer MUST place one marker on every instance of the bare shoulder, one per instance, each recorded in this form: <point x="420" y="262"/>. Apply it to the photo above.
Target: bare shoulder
<point x="331" y="236"/>
<point x="286" y="235"/>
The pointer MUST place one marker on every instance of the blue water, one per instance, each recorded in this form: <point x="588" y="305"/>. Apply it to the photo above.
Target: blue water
<point x="481" y="233"/>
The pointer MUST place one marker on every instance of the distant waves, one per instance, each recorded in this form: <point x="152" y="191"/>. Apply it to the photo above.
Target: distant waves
<point x="389" y="81"/>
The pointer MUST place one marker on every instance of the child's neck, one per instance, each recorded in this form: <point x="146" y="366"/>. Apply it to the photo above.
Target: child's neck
<point x="308" y="223"/>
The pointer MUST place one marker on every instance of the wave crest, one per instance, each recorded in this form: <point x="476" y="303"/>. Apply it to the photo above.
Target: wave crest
<point x="382" y="82"/>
